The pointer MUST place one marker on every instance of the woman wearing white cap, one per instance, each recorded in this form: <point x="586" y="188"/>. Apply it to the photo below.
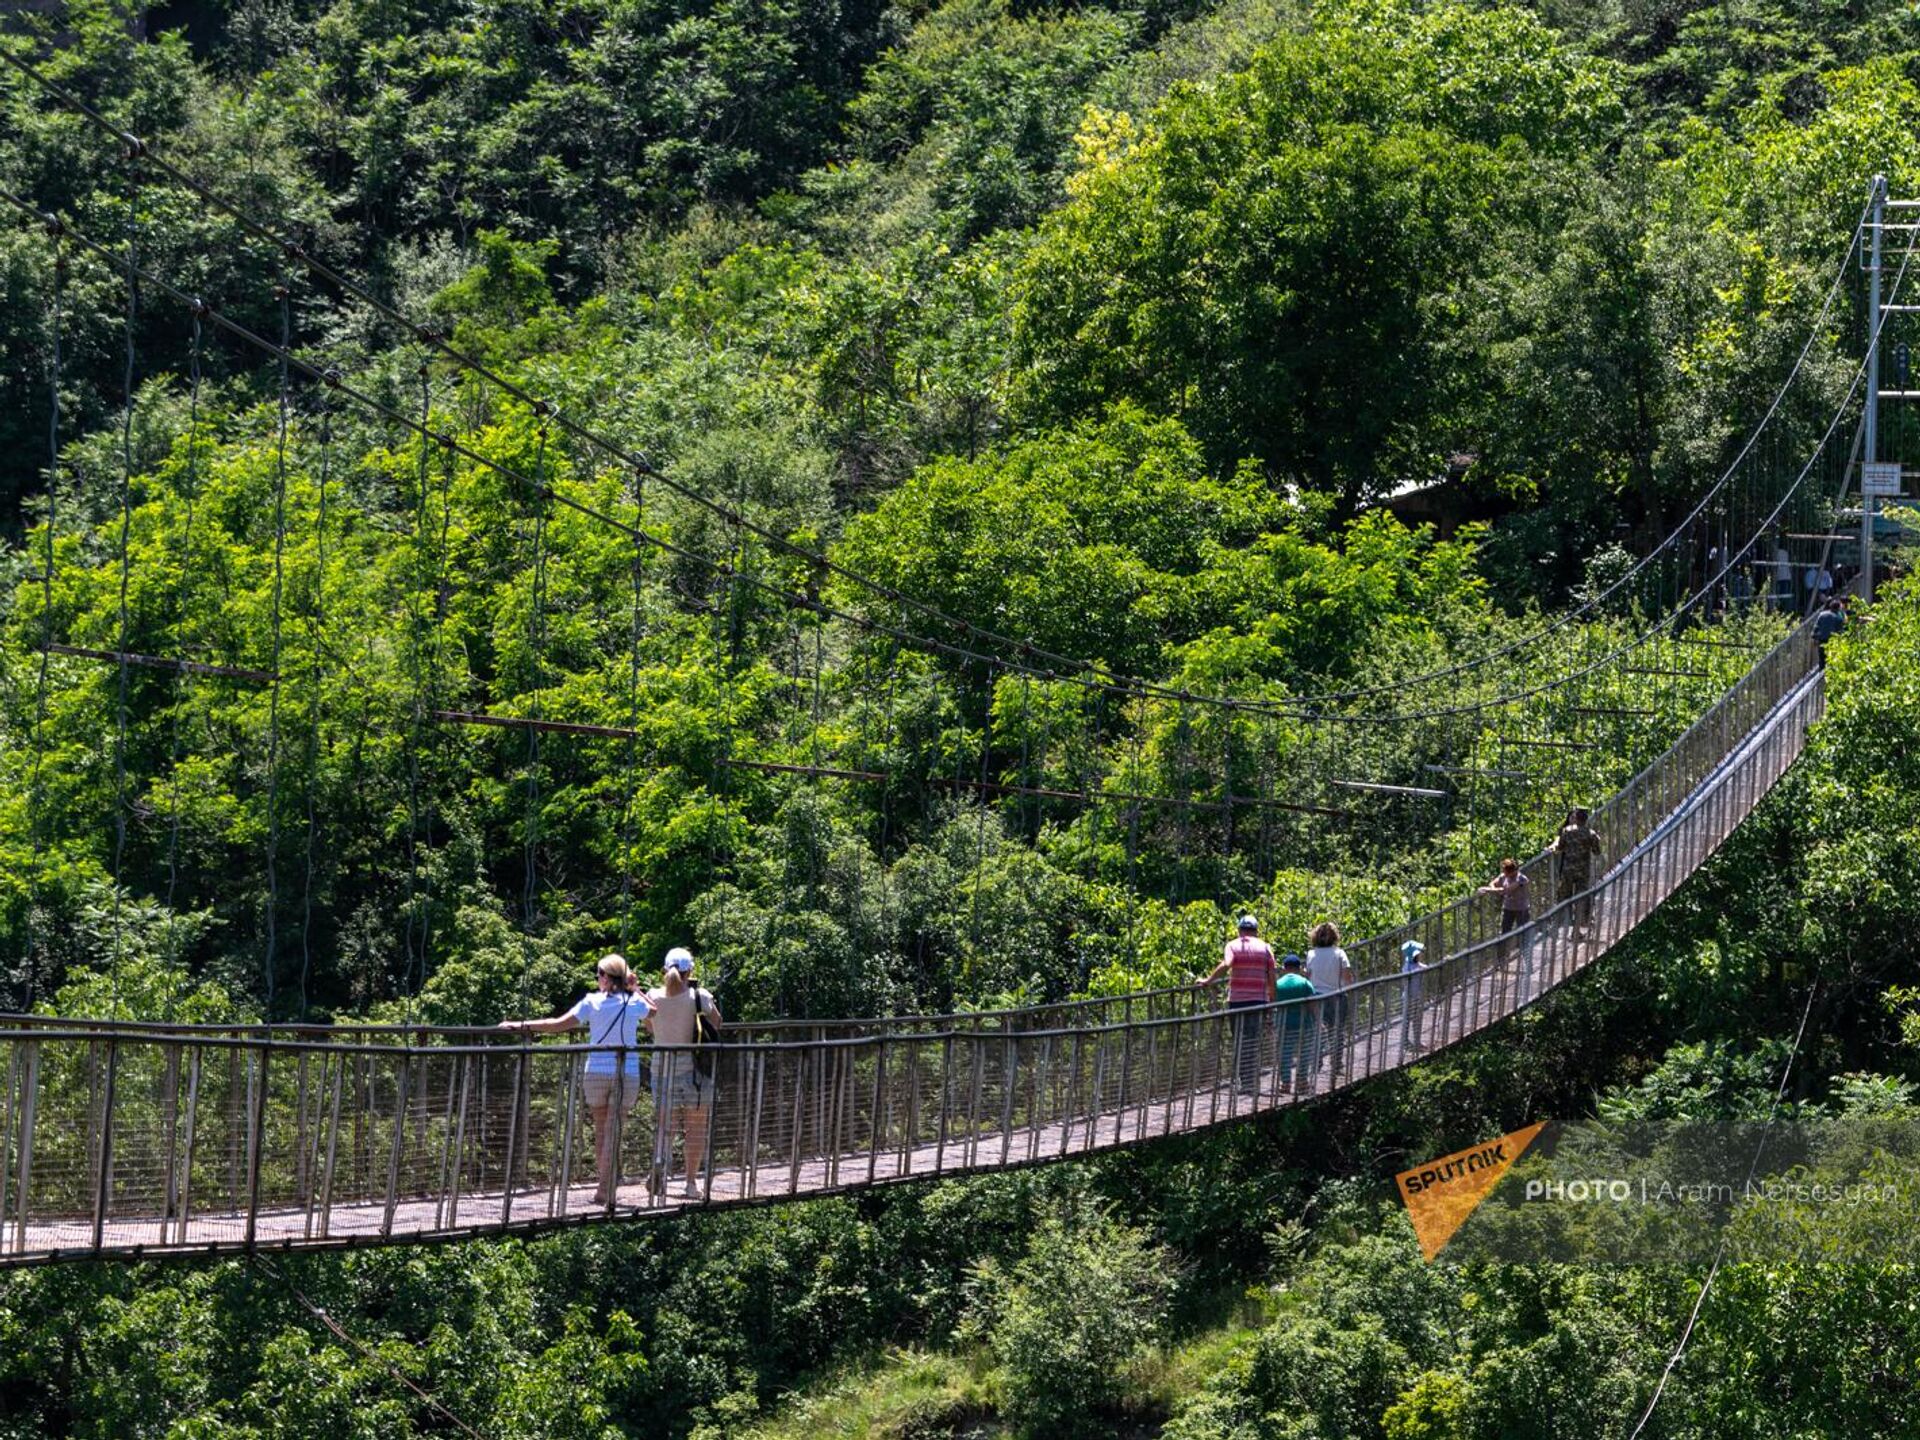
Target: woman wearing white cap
<point x="682" y="1083"/>
<point x="610" y="1085"/>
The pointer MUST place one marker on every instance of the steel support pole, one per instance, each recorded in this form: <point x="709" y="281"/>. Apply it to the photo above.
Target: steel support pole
<point x="29" y="1105"/>
<point x="513" y="1128"/>
<point x="103" y="1194"/>
<point x="940" y="1133"/>
<point x="752" y="1157"/>
<point x="569" y="1103"/>
<point x="456" y="1145"/>
<point x="7" y="1134"/>
<point x="878" y="1129"/>
<point x="1870" y="448"/>
<point x="800" y="1121"/>
<point x="979" y="1073"/>
<point x="1038" y="1096"/>
<point x="170" y="1126"/>
<point x="399" y="1145"/>
<point x="333" y="1143"/>
<point x="186" y="1156"/>
<point x="1009" y="1088"/>
<point x="256" y="1144"/>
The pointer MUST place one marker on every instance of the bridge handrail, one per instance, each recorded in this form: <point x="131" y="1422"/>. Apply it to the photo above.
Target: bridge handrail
<point x="137" y="1143"/>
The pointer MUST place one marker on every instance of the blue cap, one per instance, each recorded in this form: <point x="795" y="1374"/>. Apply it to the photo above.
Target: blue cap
<point x="1291" y="961"/>
<point x="680" y="958"/>
<point x="1411" y="951"/>
<point x="1247" y="922"/>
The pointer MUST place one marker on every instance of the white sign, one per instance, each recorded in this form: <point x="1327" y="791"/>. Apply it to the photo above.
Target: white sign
<point x="1880" y="478"/>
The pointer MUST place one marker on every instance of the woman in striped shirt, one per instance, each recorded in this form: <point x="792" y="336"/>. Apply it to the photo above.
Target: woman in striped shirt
<point x="1250" y="971"/>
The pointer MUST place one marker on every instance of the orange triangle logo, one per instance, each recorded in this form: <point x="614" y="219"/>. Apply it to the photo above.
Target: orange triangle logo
<point x="1442" y="1193"/>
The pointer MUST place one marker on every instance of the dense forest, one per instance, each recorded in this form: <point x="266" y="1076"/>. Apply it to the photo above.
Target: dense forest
<point x="1003" y="406"/>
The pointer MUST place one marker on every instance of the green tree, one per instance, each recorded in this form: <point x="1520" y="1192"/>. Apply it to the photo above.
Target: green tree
<point x="1067" y="1320"/>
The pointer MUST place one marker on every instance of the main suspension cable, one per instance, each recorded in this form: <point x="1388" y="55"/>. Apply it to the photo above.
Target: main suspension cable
<point x="120" y="720"/>
<point x="1092" y="682"/>
<point x="361" y="1348"/>
<point x="1720" y="1249"/>
<point x="294" y="249"/>
<point x="36" y="784"/>
<point x="273" y="694"/>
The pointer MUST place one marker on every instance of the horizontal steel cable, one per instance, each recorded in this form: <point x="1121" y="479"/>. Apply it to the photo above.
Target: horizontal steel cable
<point x="298" y="252"/>
<point x="1112" y="686"/>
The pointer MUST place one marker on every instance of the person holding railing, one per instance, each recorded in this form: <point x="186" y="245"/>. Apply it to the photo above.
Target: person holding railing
<point x="1515" y="892"/>
<point x="1576" y="849"/>
<point x="685" y="1016"/>
<point x="1331" y="972"/>
<point x="1250" y="971"/>
<point x="610" y="1081"/>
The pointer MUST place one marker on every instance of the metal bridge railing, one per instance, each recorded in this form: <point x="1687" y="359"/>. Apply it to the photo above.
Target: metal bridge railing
<point x="124" y="1139"/>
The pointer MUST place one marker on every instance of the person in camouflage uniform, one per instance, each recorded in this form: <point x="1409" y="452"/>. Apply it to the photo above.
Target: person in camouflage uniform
<point x="1576" y="852"/>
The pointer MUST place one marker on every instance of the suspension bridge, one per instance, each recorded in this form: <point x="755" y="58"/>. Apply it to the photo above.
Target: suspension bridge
<point x="1686" y="687"/>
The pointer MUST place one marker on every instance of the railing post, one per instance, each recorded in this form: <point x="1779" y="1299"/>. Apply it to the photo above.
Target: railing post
<point x="612" y="1182"/>
<point x="338" y="1090"/>
<point x="753" y="1123"/>
<point x="800" y="1059"/>
<point x="29" y="1106"/>
<point x="882" y="1102"/>
<point x="300" y="1125"/>
<point x="311" y="1137"/>
<point x="1221" y="1029"/>
<point x="946" y="1086"/>
<point x="8" y="1139"/>
<point x="1174" y="1088"/>
<point x="104" y="1178"/>
<point x="457" y="1140"/>
<point x="562" y="1202"/>
<point x="1196" y="1038"/>
<point x="1037" y="1104"/>
<point x="1146" y="1101"/>
<point x="820" y="1062"/>
<point x="256" y="1143"/>
<point x="1069" y="1108"/>
<point x="912" y="1137"/>
<point x="1009" y="1085"/>
<point x="170" y="1126"/>
<point x="707" y="1159"/>
<point x="399" y="1140"/>
<point x="979" y="1048"/>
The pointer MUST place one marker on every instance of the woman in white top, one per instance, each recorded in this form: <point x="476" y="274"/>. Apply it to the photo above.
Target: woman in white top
<point x="1331" y="972"/>
<point x="610" y="1085"/>
<point x="682" y="1095"/>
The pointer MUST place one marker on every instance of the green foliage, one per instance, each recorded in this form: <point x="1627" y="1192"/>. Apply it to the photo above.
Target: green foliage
<point x="1069" y="1317"/>
<point x="1113" y="539"/>
<point x="1213" y="262"/>
<point x="1434" y="1407"/>
<point x="1118" y="380"/>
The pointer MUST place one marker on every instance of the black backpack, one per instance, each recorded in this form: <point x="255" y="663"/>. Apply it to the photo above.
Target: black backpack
<point x="706" y="1033"/>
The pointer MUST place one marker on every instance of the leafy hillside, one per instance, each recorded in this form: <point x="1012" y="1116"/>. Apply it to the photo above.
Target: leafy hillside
<point x="1102" y="329"/>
